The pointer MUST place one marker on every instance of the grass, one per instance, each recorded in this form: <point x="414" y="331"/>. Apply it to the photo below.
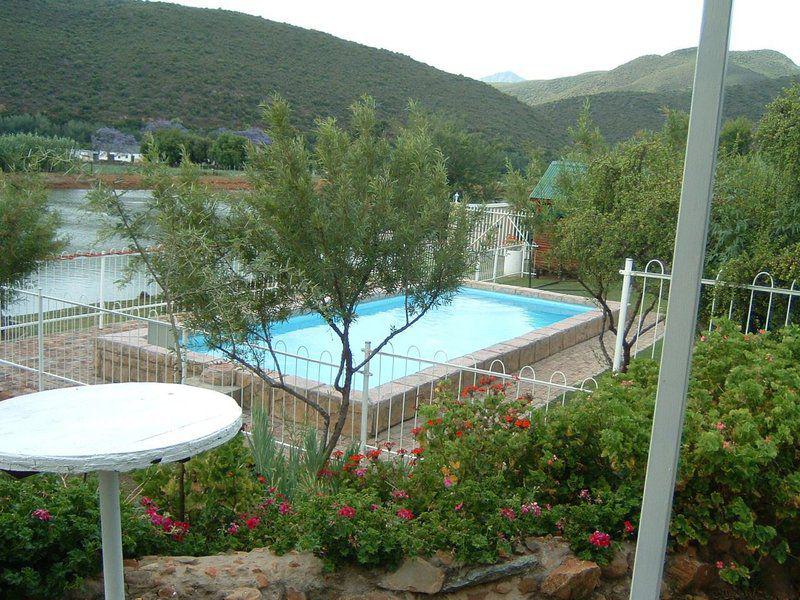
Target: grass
<point x="560" y="286"/>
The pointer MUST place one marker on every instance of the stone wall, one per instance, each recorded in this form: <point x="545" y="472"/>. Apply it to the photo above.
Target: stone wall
<point x="542" y="568"/>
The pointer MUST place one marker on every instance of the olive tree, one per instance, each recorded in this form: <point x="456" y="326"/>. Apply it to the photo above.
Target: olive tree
<point x="325" y="226"/>
<point x="624" y="206"/>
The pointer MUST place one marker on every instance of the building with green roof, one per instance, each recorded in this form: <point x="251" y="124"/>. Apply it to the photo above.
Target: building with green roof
<point x="547" y="188"/>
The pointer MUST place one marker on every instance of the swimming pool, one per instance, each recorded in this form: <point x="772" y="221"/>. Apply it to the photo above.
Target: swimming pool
<point x="476" y="319"/>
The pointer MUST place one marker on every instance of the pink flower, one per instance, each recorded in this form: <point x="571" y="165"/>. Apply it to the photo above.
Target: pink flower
<point x="399" y="494"/>
<point x="458" y="506"/>
<point x="360" y="472"/>
<point x="600" y="539"/>
<point x="584" y="495"/>
<point x="156" y="519"/>
<point x="726" y="444"/>
<point x="405" y="514"/>
<point x="374" y="507"/>
<point x="720" y="564"/>
<point x="252" y="522"/>
<point x="145" y="501"/>
<point x="285" y="508"/>
<point x="508" y="513"/>
<point x="233" y="529"/>
<point x="448" y="483"/>
<point x="42" y="514"/>
<point x="531" y="507"/>
<point x="629" y="528"/>
<point x="348" y="512"/>
<point x="703" y="338"/>
<point x="720" y="426"/>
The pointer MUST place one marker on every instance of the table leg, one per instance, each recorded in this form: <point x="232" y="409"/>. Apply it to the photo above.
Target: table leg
<point x="113" y="576"/>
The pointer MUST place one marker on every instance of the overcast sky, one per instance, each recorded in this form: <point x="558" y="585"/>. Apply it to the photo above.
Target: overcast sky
<point x="537" y="39"/>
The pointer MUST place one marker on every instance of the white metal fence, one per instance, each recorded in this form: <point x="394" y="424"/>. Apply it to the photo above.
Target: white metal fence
<point x="502" y="244"/>
<point x="64" y="342"/>
<point x="763" y="304"/>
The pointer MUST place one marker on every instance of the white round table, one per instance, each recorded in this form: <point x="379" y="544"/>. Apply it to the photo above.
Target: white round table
<point x="112" y="428"/>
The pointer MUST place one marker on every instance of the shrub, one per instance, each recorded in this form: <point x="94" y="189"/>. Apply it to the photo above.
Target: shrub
<point x="50" y="535"/>
<point x="27" y="151"/>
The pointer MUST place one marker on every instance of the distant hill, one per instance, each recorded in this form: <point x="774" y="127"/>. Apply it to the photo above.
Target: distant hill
<point x="671" y="72"/>
<point x="502" y="77"/>
<point x="108" y="61"/>
<point x="621" y="114"/>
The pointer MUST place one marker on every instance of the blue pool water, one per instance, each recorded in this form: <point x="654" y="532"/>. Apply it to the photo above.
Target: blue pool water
<point x="474" y="320"/>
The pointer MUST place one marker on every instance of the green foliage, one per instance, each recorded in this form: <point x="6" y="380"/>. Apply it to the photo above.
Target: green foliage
<point x="170" y="144"/>
<point x="27" y="151"/>
<point x="228" y="151"/>
<point x="289" y="468"/>
<point x="28" y="229"/>
<point x="78" y="130"/>
<point x="474" y="164"/>
<point x="736" y="136"/>
<point x="218" y="485"/>
<point x="778" y="135"/>
<point x="43" y="556"/>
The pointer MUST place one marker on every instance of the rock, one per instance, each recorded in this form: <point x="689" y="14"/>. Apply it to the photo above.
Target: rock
<point x="528" y="585"/>
<point x="294" y="594"/>
<point x="618" y="566"/>
<point x="685" y="573"/>
<point x="261" y="581"/>
<point x="244" y="593"/>
<point x="167" y="591"/>
<point x="130" y="563"/>
<point x="503" y="587"/>
<point x="414" y="575"/>
<point x="211" y="572"/>
<point x="469" y="576"/>
<point x="573" y="580"/>
<point x="777" y="580"/>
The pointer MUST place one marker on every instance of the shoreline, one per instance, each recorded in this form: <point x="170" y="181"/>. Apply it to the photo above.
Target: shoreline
<point x="133" y="181"/>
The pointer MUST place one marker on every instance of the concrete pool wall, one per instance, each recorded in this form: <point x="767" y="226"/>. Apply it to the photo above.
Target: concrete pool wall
<point x="130" y="356"/>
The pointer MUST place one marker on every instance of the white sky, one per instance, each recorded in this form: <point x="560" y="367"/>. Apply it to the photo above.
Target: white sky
<point x="537" y="39"/>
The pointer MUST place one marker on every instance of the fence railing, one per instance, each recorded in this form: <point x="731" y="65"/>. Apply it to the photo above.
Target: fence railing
<point x="60" y="343"/>
<point x="502" y="244"/>
<point x="761" y="304"/>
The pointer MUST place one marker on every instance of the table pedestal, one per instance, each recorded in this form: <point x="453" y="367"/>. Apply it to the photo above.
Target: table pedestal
<point x="111" y="528"/>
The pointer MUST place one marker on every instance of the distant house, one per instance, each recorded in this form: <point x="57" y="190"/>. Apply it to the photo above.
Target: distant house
<point x="109" y="144"/>
<point x="547" y="189"/>
<point x="545" y="192"/>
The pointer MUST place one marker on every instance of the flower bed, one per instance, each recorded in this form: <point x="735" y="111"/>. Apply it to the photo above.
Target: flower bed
<point x="489" y="471"/>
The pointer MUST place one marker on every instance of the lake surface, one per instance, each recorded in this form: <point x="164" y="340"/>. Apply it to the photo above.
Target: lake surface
<point x="80" y="226"/>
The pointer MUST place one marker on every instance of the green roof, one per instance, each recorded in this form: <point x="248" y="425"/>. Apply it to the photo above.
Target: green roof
<point x="546" y="188"/>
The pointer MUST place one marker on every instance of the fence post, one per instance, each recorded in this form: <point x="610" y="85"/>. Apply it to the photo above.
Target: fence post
<point x="623" y="313"/>
<point x="365" y="396"/>
<point x="478" y="268"/>
<point x="494" y="268"/>
<point x="102" y="278"/>
<point x="40" y="336"/>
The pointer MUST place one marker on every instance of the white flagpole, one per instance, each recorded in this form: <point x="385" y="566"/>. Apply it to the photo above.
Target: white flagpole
<point x="687" y="270"/>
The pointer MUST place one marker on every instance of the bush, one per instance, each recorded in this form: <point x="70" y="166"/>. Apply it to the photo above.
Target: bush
<point x="27" y="151"/>
<point x="228" y="151"/>
<point x="50" y="535"/>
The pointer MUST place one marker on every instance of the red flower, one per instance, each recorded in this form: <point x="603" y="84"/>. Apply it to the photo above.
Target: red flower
<point x="430" y="422"/>
<point x="348" y="512"/>
<point x="416" y="431"/>
<point x="458" y="506"/>
<point x="233" y="529"/>
<point x="629" y="528"/>
<point x="508" y="418"/>
<point x="405" y="514"/>
<point x="720" y="564"/>
<point x="42" y="514"/>
<point x="374" y="454"/>
<point x="399" y="494"/>
<point x="337" y="454"/>
<point x="600" y="539"/>
<point x="508" y="513"/>
<point x="417" y="451"/>
<point x="252" y="522"/>
<point x="285" y="508"/>
<point x="262" y="479"/>
<point x="522" y="423"/>
<point x="354" y="458"/>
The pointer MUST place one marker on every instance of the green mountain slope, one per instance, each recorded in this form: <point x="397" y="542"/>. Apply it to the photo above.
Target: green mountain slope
<point x="621" y="114"/>
<point x="672" y="72"/>
<point x="110" y="60"/>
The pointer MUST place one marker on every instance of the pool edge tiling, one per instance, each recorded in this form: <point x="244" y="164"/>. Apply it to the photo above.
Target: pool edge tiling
<point x="130" y="357"/>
